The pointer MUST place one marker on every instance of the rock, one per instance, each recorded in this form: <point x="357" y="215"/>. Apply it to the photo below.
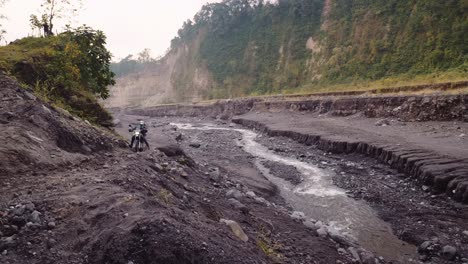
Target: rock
<point x="106" y="166"/>
<point x="10" y="230"/>
<point x="322" y="232"/>
<point x="30" y="207"/>
<point x="184" y="174"/>
<point x="354" y="254"/>
<point x="342" y="251"/>
<point x="179" y="137"/>
<point x="156" y="167"/>
<point x="382" y="122"/>
<point x="51" y="225"/>
<point x="9" y="242"/>
<point x="29" y="96"/>
<point x="5" y="252"/>
<point x="298" y="215"/>
<point x="33" y="226"/>
<point x="238" y="205"/>
<point x="171" y="150"/>
<point x="47" y="109"/>
<point x="86" y="149"/>
<point x="195" y="145"/>
<point x="261" y="200"/>
<point x="318" y="224"/>
<point x="18" y="221"/>
<point x="51" y="243"/>
<point x="233" y="193"/>
<point x="465" y="233"/>
<point x="236" y="229"/>
<point x="428" y="247"/>
<point x="215" y="175"/>
<point x="309" y="224"/>
<point x="250" y="194"/>
<point x="449" y="252"/>
<point x="19" y="210"/>
<point x="367" y="258"/>
<point x="35" y="217"/>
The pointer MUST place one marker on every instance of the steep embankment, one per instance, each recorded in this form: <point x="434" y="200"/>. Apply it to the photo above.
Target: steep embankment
<point x="235" y="49"/>
<point x="37" y="135"/>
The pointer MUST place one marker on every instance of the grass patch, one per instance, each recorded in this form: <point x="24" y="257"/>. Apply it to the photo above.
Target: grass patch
<point x="389" y="82"/>
<point x="164" y="196"/>
<point x="269" y="247"/>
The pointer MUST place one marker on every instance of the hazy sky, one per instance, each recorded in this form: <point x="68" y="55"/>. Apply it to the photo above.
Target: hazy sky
<point x="130" y="25"/>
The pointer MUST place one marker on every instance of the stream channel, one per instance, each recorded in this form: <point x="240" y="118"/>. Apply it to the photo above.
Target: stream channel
<point x="319" y="199"/>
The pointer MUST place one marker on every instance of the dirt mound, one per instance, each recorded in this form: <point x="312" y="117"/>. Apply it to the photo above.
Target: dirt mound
<point x="36" y="134"/>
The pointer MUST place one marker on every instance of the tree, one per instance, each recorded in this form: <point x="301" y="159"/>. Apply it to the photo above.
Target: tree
<point x="52" y="10"/>
<point x="145" y="56"/>
<point x="94" y="62"/>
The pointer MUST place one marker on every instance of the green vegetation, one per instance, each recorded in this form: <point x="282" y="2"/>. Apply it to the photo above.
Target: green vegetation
<point x="70" y="70"/>
<point x="254" y="48"/>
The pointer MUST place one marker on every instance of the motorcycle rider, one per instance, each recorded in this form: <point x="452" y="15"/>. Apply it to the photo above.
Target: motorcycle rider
<point x="143" y="130"/>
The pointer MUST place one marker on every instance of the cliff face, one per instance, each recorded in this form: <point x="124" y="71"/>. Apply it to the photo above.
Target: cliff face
<point x="175" y="78"/>
<point x="235" y="49"/>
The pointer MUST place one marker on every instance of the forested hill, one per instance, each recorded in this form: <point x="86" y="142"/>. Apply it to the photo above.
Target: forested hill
<point x="244" y="47"/>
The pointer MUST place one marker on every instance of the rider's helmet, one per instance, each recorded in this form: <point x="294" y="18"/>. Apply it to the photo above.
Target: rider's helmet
<point x="142" y="123"/>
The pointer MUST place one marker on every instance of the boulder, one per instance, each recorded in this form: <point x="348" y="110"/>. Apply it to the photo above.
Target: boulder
<point x="236" y="229"/>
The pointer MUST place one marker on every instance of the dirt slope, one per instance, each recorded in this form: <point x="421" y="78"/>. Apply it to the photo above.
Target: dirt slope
<point x="70" y="194"/>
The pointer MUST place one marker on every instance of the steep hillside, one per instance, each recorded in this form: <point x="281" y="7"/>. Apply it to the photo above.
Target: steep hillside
<point x="70" y="70"/>
<point x="246" y="47"/>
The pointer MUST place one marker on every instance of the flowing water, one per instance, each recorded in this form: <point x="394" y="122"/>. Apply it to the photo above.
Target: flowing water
<point x="318" y="198"/>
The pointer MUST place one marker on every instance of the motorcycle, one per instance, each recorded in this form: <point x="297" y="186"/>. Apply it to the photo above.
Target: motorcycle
<point x="138" y="143"/>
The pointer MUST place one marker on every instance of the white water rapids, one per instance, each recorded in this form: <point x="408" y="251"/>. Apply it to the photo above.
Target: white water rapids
<point x="318" y="198"/>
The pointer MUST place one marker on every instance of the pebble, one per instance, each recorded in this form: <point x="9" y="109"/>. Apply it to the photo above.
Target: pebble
<point x="35" y="217"/>
<point x="51" y="225"/>
<point x="465" y="233"/>
<point x="5" y="252"/>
